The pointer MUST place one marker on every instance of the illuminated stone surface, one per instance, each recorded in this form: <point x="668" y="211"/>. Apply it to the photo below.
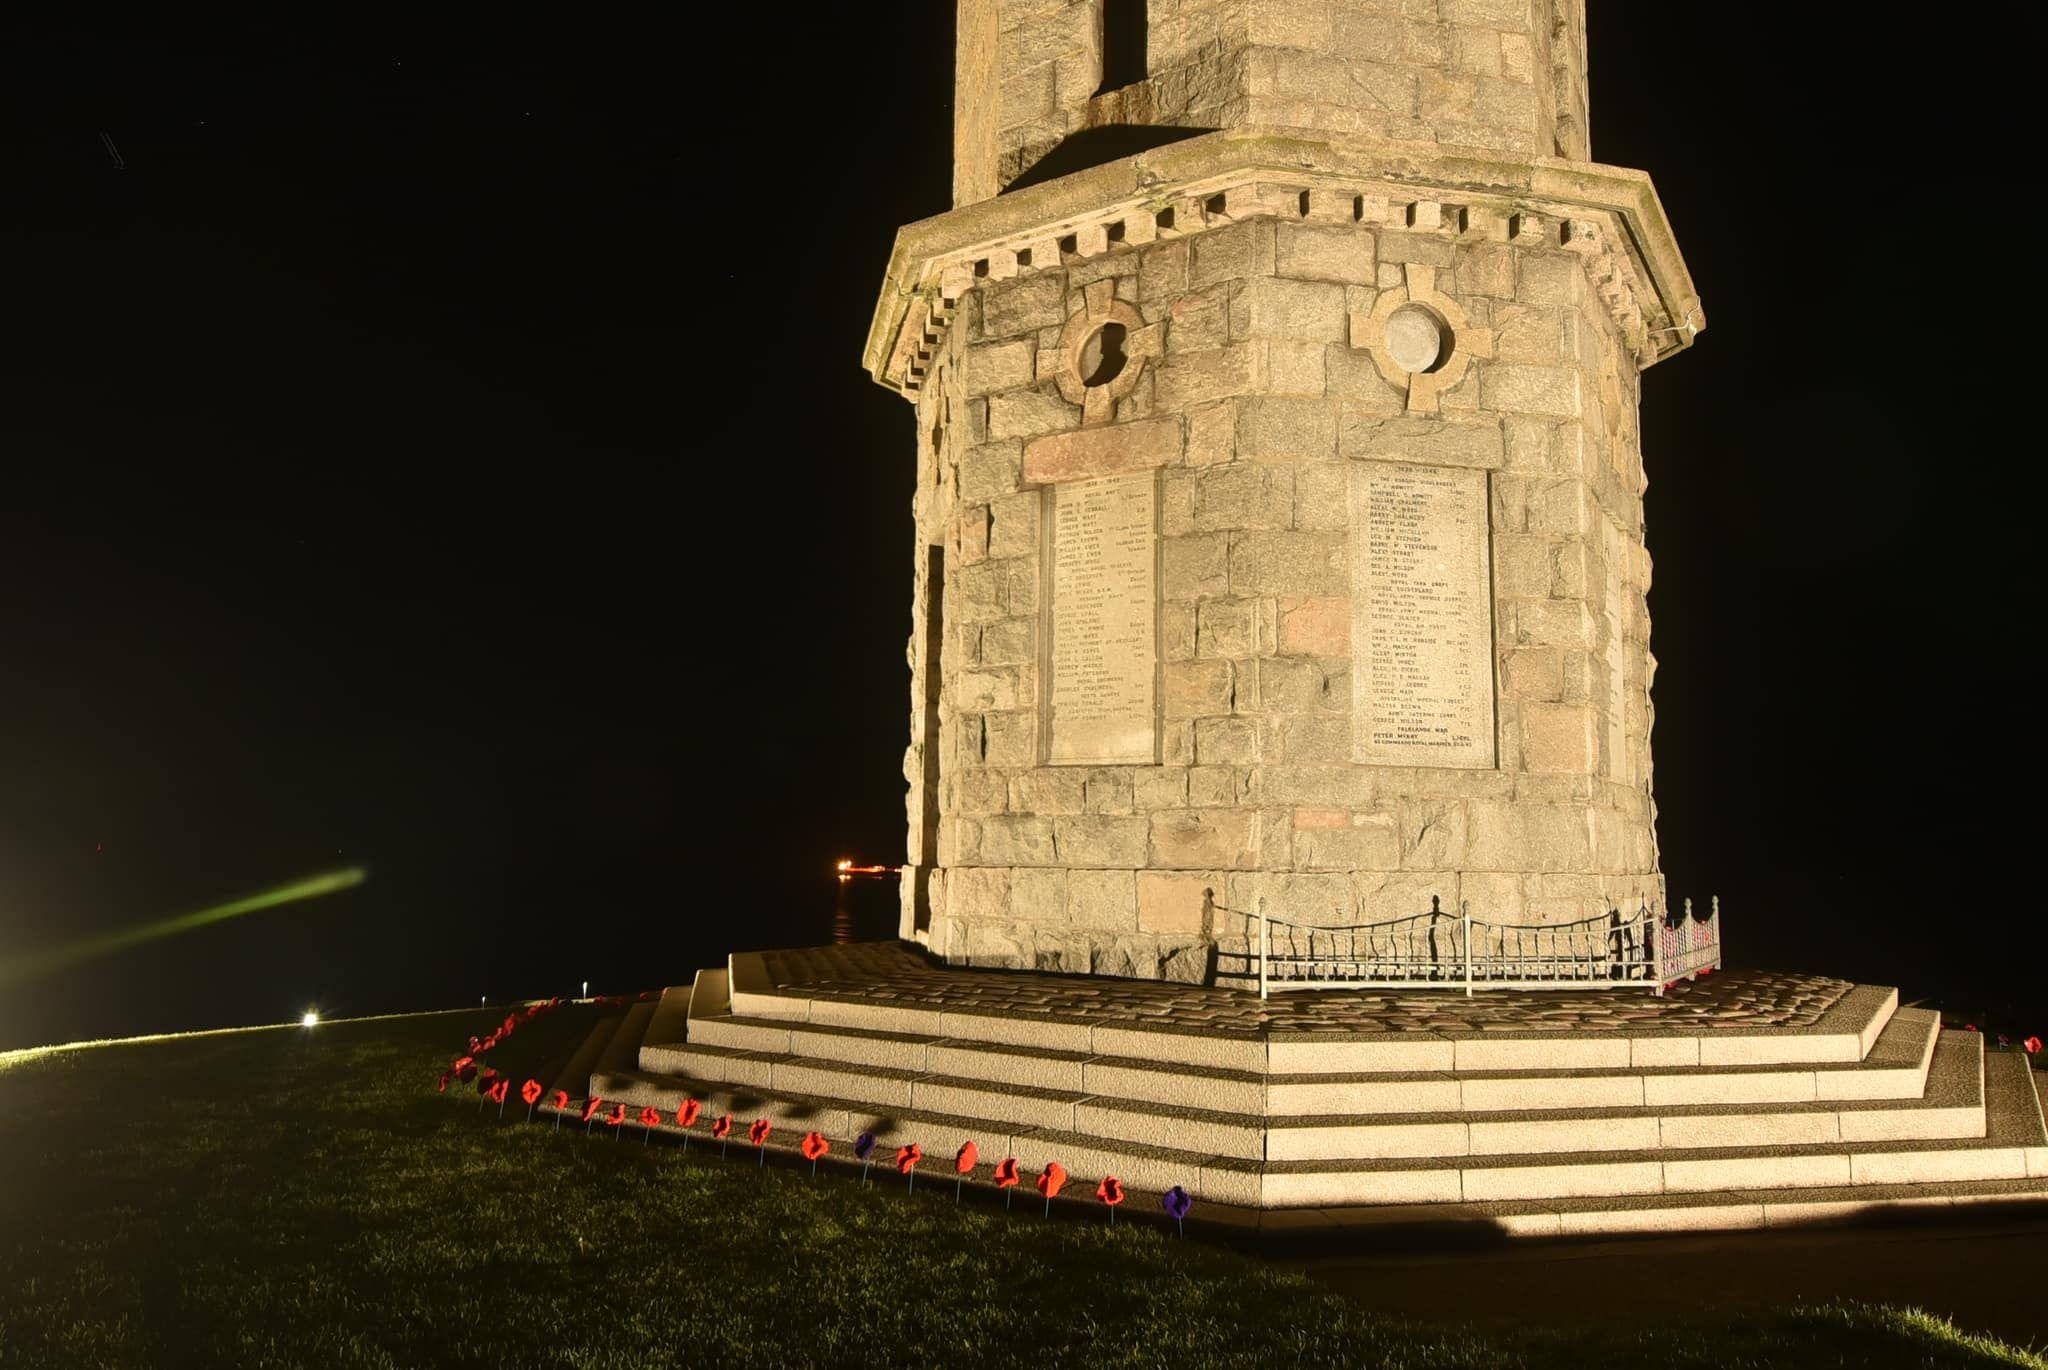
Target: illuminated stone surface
<point x="1279" y="526"/>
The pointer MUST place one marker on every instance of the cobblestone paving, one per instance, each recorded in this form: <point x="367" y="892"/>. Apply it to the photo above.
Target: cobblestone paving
<point x="889" y="972"/>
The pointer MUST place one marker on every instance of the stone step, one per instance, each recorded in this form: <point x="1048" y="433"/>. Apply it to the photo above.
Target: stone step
<point x="622" y="1052"/>
<point x="574" y="1076"/>
<point x="671" y="1021"/>
<point x="2014" y="1147"/>
<point x="1952" y="1108"/>
<point x="1895" y="1069"/>
<point x="1411" y="1225"/>
<point x="1844" y="1035"/>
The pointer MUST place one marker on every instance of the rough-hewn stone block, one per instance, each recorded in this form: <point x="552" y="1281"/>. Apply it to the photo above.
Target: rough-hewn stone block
<point x="1016" y="840"/>
<point x="1474" y="442"/>
<point x="1086" y="453"/>
<point x="1559" y="737"/>
<point x="1194" y="567"/>
<point x="1197" y="688"/>
<point x="1242" y="495"/>
<point x="1516" y="388"/>
<point x="1325" y="253"/>
<point x="1286" y="428"/>
<point x="1288" y="563"/>
<point x="1173" y="903"/>
<point x="1029" y="413"/>
<point x="1100" y="839"/>
<point x="1102" y="899"/>
<point x="998" y="366"/>
<point x="1202" y="839"/>
<point x="1027" y="303"/>
<point x="1276" y="307"/>
<point x="990" y="470"/>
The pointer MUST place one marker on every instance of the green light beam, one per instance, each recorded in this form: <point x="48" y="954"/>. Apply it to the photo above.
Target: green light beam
<point x="52" y="959"/>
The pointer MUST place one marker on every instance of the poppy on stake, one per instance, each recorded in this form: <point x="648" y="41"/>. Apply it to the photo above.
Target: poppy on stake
<point x="907" y="1158"/>
<point x="650" y="1119"/>
<point x="757" y="1133"/>
<point x="1111" y="1192"/>
<point x="964" y="1162"/>
<point x="561" y="1107"/>
<point x="815" y="1146"/>
<point x="722" y="1129"/>
<point x="864" y="1148"/>
<point x="1006" y="1179"/>
<point x="616" y="1120"/>
<point x="590" y="1108"/>
<point x="1177" y="1202"/>
<point x="1051" y="1180"/>
<point x="530" y="1091"/>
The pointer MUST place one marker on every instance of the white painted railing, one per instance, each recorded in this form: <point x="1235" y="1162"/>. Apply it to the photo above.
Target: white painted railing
<point x="1438" y="950"/>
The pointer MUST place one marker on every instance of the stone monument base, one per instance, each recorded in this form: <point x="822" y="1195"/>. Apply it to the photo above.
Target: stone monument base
<point x="1744" y="1100"/>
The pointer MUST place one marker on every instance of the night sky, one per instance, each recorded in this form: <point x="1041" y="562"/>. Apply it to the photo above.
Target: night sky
<point x="443" y="448"/>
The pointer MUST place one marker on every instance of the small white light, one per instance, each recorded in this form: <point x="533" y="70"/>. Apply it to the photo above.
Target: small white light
<point x="586" y="989"/>
<point x="311" y="1019"/>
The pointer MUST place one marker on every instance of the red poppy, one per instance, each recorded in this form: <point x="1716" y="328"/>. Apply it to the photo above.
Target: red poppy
<point x="1110" y="1191"/>
<point x="1969" y="1027"/>
<point x="472" y="1045"/>
<point x="617" y="1117"/>
<point x="561" y="1098"/>
<point x="650" y="1116"/>
<point x="1052" y="1179"/>
<point x="462" y="1062"/>
<point x="531" y="1092"/>
<point x="966" y="1158"/>
<point x="723" y="1127"/>
<point x="2033" y="1046"/>
<point x="686" y="1116"/>
<point x="1006" y="1172"/>
<point x="591" y="1106"/>
<point x="757" y="1131"/>
<point x="815" y="1145"/>
<point x="907" y="1157"/>
<point x="496" y="1093"/>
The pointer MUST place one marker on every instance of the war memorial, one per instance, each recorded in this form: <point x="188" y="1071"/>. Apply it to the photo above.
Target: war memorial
<point x="1280" y="819"/>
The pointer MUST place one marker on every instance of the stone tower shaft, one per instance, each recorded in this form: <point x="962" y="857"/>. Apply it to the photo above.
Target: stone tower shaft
<point x="1501" y="75"/>
<point x="1278" y="486"/>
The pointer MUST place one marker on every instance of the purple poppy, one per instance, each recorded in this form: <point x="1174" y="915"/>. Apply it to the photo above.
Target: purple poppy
<point x="864" y="1144"/>
<point x="1177" y="1201"/>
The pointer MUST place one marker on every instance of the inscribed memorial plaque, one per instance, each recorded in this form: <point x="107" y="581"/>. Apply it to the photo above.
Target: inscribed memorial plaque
<point x="1421" y="617"/>
<point x="1102" y="596"/>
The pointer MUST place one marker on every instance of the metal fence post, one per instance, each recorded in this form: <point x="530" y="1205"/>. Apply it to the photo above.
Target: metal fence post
<point x="1264" y="938"/>
<point x="1465" y="908"/>
<point x="1656" y="934"/>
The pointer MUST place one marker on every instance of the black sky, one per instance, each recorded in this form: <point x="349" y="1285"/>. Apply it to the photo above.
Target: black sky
<point x="443" y="447"/>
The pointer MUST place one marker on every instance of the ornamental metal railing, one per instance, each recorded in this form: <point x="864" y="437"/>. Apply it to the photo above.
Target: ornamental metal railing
<point x="1645" y="950"/>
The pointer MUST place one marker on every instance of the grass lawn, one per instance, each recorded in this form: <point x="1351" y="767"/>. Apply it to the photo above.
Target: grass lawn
<point x="279" y="1198"/>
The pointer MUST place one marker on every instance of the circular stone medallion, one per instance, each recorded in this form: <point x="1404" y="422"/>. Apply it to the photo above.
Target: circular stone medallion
<point x="1416" y="338"/>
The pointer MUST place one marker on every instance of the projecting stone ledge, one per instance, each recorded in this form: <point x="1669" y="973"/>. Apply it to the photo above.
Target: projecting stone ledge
<point x="895" y="974"/>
